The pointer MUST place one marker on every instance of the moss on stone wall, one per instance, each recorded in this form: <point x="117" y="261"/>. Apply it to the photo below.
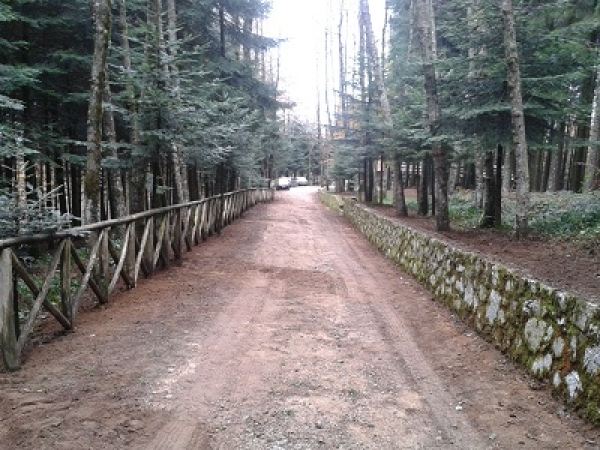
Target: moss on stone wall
<point x="553" y="334"/>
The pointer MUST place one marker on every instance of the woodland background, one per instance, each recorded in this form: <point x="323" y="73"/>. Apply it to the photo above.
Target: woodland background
<point x="113" y="107"/>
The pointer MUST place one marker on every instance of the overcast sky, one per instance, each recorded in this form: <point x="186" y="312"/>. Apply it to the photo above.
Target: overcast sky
<point x="304" y="23"/>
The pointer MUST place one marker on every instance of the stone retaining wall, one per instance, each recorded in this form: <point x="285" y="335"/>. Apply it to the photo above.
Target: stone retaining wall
<point x="554" y="335"/>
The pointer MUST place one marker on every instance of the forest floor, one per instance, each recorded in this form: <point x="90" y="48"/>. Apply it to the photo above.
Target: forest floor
<point x="287" y="331"/>
<point x="570" y="265"/>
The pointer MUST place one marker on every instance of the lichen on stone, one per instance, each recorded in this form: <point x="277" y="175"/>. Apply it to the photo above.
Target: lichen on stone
<point x="556" y="380"/>
<point x="493" y="307"/>
<point x="558" y="347"/>
<point x="542" y="365"/>
<point x="574" y="385"/>
<point x="591" y="360"/>
<point x="535" y="333"/>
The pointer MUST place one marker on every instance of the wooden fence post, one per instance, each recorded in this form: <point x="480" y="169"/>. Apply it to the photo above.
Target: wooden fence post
<point x="220" y="210"/>
<point x="8" y="336"/>
<point x="148" y="249"/>
<point x="177" y="237"/>
<point x="131" y="257"/>
<point x="65" y="283"/>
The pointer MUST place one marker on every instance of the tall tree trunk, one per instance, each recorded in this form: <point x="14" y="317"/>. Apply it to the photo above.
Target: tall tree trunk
<point x="136" y="188"/>
<point x="21" y="183"/>
<point x="75" y="193"/>
<point x="426" y="27"/>
<point x="591" y="164"/>
<point x="423" y="188"/>
<point x="381" y="171"/>
<point x="498" y="186"/>
<point x="371" y="49"/>
<point x="116" y="195"/>
<point x="453" y="177"/>
<point x="490" y="189"/>
<point x="327" y="102"/>
<point x="479" y="193"/>
<point x="342" y="73"/>
<point x="381" y="93"/>
<point x="518" y="119"/>
<point x="556" y="158"/>
<point x="102" y="16"/>
<point x="179" y="165"/>
<point x="567" y="162"/>
<point x="399" y="197"/>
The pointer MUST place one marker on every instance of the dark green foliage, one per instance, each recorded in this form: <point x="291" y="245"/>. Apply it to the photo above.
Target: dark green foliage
<point x="567" y="215"/>
<point x="30" y="218"/>
<point x="347" y="163"/>
<point x="558" y="55"/>
<point x="562" y="215"/>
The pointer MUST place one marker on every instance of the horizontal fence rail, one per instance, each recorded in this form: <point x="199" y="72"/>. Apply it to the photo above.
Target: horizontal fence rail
<point x="99" y="256"/>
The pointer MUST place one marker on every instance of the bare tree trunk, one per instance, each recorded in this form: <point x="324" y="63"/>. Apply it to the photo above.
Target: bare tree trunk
<point x="378" y="78"/>
<point x="426" y="26"/>
<point x="116" y="195"/>
<point x="342" y="68"/>
<point x="518" y="119"/>
<point x="591" y="163"/>
<point x="555" y="161"/>
<point x="136" y="187"/>
<point x="567" y="162"/>
<point x="375" y="61"/>
<point x="453" y="177"/>
<point x="102" y="22"/>
<point x="327" y="103"/>
<point x="399" y="197"/>
<point x="179" y="166"/>
<point x="498" y="185"/>
<point x="488" y="220"/>
<point x="479" y="193"/>
<point x="507" y="171"/>
<point x="423" y="188"/>
<point x="21" y="175"/>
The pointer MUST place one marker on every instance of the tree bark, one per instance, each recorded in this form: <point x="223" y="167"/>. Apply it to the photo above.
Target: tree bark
<point x="426" y="27"/>
<point x="136" y="187"/>
<point x="556" y="158"/>
<point x="379" y="80"/>
<point x="591" y="163"/>
<point x="479" y="193"/>
<point x="490" y="189"/>
<point x="423" y="188"/>
<point x="399" y="197"/>
<point x="116" y="196"/>
<point x="102" y="22"/>
<point x="517" y="118"/>
<point x="498" y="186"/>
<point x="179" y="165"/>
<point x="375" y="61"/>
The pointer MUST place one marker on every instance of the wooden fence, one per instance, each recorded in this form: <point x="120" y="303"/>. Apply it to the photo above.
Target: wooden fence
<point x="98" y="256"/>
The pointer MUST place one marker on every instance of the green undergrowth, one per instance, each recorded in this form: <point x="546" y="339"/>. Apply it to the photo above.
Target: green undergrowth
<point x="558" y="216"/>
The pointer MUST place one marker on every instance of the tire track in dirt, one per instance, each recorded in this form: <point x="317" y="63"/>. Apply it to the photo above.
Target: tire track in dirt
<point x="317" y="358"/>
<point x="364" y="276"/>
<point x="371" y="286"/>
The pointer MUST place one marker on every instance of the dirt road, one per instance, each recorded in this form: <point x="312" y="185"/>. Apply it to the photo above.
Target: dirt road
<point x="286" y="332"/>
